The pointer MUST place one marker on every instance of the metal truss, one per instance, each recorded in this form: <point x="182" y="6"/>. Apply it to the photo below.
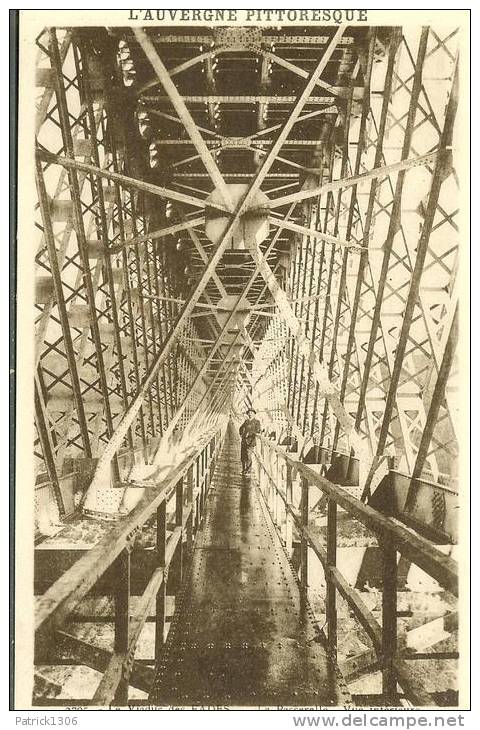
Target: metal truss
<point x="382" y="322"/>
<point x="326" y="296"/>
<point x="366" y="301"/>
<point x="104" y="289"/>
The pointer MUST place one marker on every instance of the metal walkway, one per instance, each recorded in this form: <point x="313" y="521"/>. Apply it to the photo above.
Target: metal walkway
<point x="242" y="635"/>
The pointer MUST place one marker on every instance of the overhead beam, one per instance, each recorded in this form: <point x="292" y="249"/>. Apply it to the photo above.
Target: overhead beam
<point x="241" y="99"/>
<point x="288" y="39"/>
<point x="313" y="233"/>
<point x="301" y="118"/>
<point x="242" y="143"/>
<point x="180" y="68"/>
<point x="341" y="91"/>
<point x="71" y="163"/>
<point x="171" y="118"/>
<point x="383" y="171"/>
<point x="185" y="225"/>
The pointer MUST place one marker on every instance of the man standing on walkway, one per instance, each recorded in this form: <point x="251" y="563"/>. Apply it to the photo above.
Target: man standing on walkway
<point x="248" y="431"/>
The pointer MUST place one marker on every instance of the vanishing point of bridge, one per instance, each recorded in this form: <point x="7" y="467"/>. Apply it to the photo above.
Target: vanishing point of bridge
<point x="236" y="217"/>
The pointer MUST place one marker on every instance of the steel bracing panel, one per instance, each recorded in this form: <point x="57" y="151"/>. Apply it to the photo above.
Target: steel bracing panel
<point x="384" y="317"/>
<point x="103" y="308"/>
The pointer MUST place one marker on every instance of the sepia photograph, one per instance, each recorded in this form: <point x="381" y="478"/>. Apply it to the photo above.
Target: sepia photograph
<point x="242" y="455"/>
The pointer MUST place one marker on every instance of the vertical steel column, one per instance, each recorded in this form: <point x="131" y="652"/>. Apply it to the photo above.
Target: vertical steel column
<point x="310" y="332"/>
<point x="81" y="239"/>
<point x="150" y="253"/>
<point x="394" y="222"/>
<point x="144" y="329"/>
<point x="328" y="310"/>
<point x="199" y="483"/>
<point x="330" y="265"/>
<point x="62" y="308"/>
<point x="296" y="294"/>
<point x="169" y="318"/>
<point x="441" y="167"/>
<point x="294" y="275"/>
<point x="363" y="263"/>
<point x="126" y="273"/>
<point x="276" y="496"/>
<point x="153" y="319"/>
<point x="43" y="427"/>
<point x="102" y="216"/>
<point x="303" y="266"/>
<point x="351" y="210"/>
<point x="157" y="246"/>
<point x="307" y="292"/>
<point x="316" y="322"/>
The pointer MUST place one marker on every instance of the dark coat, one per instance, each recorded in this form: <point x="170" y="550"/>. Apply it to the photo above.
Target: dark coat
<point x="248" y="431"/>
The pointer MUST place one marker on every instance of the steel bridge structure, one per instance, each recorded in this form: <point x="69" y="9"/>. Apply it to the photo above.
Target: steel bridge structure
<point x="231" y="218"/>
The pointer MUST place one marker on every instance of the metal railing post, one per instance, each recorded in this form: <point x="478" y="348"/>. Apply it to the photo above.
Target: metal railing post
<point x="259" y="466"/>
<point x="191" y="507"/>
<point x="176" y="566"/>
<point x="276" y="497"/>
<point x="122" y="618"/>
<point x="197" y="512"/>
<point x="304" y="541"/>
<point x="179" y="497"/>
<point x="389" y="619"/>
<point x="199" y="483"/>
<point x="160" y="603"/>
<point x="331" y="597"/>
<point x="288" y="516"/>
<point x="204" y="478"/>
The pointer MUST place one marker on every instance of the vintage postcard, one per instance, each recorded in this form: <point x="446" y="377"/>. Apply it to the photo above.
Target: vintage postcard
<point x="242" y="458"/>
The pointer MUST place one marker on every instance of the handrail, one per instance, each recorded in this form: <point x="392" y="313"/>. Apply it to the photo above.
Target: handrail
<point x="114" y="549"/>
<point x="392" y="537"/>
<point x="417" y="549"/>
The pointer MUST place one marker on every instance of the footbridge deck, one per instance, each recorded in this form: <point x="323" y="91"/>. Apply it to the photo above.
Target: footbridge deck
<point x="219" y="589"/>
<point x="244" y="633"/>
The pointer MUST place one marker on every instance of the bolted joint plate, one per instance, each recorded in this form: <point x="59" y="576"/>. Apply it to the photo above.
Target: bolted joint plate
<point x="238" y="39"/>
